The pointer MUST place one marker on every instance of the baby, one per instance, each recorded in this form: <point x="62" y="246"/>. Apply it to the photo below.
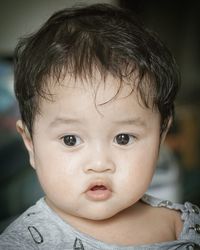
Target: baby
<point x="96" y="94"/>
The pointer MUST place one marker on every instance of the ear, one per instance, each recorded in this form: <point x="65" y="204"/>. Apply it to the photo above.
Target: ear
<point x="164" y="133"/>
<point x="23" y="131"/>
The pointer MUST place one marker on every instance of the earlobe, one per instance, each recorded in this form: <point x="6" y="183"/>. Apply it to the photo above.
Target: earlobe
<point x="23" y="131"/>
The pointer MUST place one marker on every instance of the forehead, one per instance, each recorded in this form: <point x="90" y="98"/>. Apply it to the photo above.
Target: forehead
<point x="102" y="88"/>
<point x="105" y="96"/>
<point x="100" y="109"/>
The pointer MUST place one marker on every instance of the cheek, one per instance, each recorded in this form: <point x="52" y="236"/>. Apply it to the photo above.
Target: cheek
<point x="53" y="158"/>
<point x="55" y="168"/>
<point x="56" y="181"/>
<point x="137" y="167"/>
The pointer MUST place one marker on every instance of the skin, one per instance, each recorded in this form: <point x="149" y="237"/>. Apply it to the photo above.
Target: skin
<point x="68" y="173"/>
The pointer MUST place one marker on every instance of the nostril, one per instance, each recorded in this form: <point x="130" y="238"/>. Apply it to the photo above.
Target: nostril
<point x="99" y="167"/>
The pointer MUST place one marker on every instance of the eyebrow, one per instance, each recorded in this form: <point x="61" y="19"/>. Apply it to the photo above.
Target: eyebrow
<point x="61" y="120"/>
<point x="135" y="121"/>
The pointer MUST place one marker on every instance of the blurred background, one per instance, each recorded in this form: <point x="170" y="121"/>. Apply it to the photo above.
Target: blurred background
<point x="178" y="173"/>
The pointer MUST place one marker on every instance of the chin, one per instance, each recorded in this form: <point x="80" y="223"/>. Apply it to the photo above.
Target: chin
<point x="100" y="216"/>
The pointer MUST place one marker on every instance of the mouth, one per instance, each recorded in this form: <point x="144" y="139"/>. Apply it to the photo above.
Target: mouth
<point x="98" y="187"/>
<point x="99" y="191"/>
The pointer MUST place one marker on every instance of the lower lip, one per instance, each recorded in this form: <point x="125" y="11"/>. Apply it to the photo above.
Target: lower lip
<point x="98" y="195"/>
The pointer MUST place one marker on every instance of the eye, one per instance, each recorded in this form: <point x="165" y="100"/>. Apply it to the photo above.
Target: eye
<point x="124" y="139"/>
<point x="71" y="140"/>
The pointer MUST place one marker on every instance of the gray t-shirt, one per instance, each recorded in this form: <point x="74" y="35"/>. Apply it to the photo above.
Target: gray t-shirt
<point x="40" y="228"/>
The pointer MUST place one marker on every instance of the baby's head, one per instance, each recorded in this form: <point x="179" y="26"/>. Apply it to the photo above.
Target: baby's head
<point x="80" y="42"/>
<point x="96" y="93"/>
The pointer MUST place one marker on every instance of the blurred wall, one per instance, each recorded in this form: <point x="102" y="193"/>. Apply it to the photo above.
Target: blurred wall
<point x="18" y="18"/>
<point x="178" y="24"/>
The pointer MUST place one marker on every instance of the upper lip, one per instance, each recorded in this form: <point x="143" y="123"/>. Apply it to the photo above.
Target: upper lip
<point x="99" y="183"/>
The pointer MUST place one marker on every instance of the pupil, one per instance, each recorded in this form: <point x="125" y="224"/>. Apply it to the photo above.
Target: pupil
<point x="70" y="140"/>
<point x="123" y="139"/>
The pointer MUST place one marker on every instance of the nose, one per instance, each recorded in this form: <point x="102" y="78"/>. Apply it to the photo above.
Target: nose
<point x="100" y="161"/>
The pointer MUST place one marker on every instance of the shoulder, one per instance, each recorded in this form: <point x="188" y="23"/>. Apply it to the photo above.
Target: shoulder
<point x="37" y="228"/>
<point x="183" y="219"/>
<point x="19" y="233"/>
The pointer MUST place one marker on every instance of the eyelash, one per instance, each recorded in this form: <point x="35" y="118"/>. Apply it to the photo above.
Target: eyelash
<point x="71" y="140"/>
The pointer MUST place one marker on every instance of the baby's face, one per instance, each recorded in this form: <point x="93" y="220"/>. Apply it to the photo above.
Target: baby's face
<point x="94" y="161"/>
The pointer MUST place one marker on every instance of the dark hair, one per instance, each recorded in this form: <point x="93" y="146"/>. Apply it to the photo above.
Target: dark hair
<point x="100" y="36"/>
